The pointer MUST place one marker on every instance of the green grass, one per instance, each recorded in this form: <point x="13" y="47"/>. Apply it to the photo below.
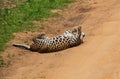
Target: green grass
<point x="20" y="17"/>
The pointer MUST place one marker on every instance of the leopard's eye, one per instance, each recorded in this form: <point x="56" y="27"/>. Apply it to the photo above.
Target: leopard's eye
<point x="83" y="35"/>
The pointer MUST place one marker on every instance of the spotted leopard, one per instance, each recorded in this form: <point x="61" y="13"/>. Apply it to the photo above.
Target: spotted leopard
<point x="68" y="39"/>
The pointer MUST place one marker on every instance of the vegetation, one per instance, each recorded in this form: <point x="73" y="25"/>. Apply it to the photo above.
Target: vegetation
<point x="17" y="15"/>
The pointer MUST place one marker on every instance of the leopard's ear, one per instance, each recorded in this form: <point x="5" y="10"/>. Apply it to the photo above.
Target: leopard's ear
<point x="79" y="27"/>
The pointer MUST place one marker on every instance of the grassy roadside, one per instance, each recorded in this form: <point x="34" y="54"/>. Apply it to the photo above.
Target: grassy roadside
<point x="17" y="16"/>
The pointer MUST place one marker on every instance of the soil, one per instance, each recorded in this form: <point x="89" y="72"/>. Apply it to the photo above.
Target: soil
<point x="97" y="58"/>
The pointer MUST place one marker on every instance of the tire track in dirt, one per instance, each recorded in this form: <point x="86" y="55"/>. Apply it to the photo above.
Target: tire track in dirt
<point x="97" y="58"/>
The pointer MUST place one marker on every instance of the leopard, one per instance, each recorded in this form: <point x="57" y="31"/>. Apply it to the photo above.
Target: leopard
<point x="43" y="44"/>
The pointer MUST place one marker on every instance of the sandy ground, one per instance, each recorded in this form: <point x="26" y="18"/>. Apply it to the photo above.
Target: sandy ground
<point x="97" y="58"/>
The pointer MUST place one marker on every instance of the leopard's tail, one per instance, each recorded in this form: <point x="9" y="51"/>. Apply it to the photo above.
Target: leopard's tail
<point x="21" y="45"/>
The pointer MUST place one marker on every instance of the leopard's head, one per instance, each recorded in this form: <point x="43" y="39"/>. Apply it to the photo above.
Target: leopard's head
<point x="82" y="34"/>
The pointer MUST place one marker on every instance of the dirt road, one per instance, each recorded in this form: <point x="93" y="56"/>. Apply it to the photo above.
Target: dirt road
<point x="97" y="58"/>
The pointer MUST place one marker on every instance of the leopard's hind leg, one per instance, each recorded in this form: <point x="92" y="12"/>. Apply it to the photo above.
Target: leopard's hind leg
<point x="39" y="36"/>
